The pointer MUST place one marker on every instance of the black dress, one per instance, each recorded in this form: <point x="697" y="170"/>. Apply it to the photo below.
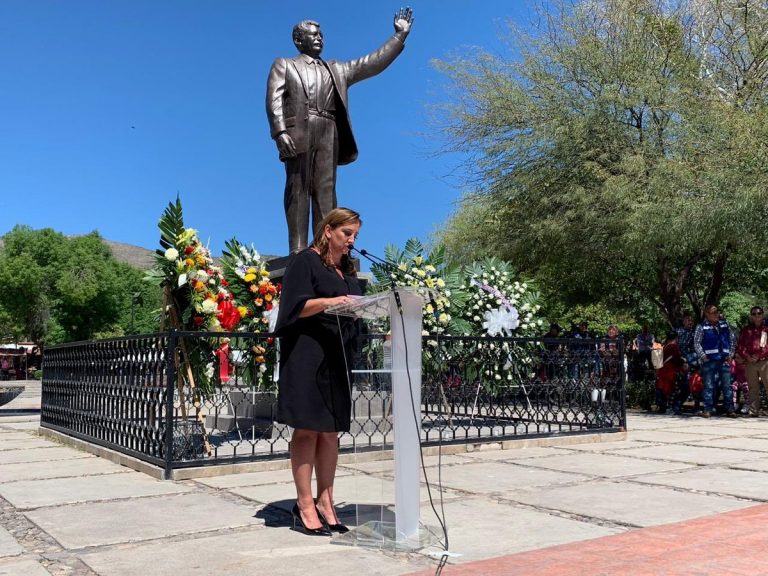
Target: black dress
<point x="313" y="390"/>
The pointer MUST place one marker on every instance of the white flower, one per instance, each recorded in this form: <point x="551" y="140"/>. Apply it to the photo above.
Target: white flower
<point x="209" y="370"/>
<point x="262" y="368"/>
<point x="440" y="283"/>
<point x="171" y="254"/>
<point x="501" y="321"/>
<point x="182" y="279"/>
<point x="202" y="275"/>
<point x="209" y="306"/>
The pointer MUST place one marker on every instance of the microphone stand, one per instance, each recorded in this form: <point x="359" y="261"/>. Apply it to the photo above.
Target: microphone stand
<point x="389" y="266"/>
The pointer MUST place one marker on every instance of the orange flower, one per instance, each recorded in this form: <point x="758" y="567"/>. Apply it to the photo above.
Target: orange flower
<point x="189" y="262"/>
<point x="253" y="288"/>
<point x="258" y="301"/>
<point x="268" y="297"/>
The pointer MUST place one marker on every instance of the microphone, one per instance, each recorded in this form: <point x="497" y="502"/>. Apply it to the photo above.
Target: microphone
<point x="384" y="264"/>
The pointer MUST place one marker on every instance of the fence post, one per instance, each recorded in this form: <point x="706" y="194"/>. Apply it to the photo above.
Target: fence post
<point x="170" y="388"/>
<point x="622" y="383"/>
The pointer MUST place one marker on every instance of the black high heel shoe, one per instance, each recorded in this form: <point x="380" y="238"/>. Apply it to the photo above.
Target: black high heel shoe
<point x="340" y="528"/>
<point x="322" y="531"/>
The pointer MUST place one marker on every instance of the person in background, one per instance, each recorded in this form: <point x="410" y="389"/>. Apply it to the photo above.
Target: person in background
<point x="667" y="375"/>
<point x="551" y="359"/>
<point x="583" y="355"/>
<point x="752" y="350"/>
<point x="685" y="338"/>
<point x="644" y="344"/>
<point x="685" y="334"/>
<point x="609" y="353"/>
<point x="715" y="346"/>
<point x="740" y="386"/>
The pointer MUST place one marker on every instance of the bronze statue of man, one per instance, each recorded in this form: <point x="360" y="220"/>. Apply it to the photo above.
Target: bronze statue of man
<point x="309" y="119"/>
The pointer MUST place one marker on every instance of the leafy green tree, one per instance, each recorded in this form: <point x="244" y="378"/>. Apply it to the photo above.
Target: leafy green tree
<point x="58" y="289"/>
<point x="620" y="155"/>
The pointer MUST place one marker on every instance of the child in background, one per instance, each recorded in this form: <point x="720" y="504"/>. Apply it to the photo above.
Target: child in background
<point x="740" y="385"/>
<point x="673" y="365"/>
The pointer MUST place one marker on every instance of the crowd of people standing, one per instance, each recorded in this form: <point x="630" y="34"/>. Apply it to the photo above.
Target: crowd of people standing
<point x="717" y="366"/>
<point x="711" y="361"/>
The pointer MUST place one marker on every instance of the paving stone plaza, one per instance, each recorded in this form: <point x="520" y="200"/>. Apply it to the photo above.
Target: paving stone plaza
<point x="672" y="495"/>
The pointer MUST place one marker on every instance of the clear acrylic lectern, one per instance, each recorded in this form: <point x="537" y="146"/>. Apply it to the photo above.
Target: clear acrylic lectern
<point x="403" y="306"/>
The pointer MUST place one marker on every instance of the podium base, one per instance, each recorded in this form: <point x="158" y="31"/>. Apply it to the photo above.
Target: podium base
<point x="383" y="536"/>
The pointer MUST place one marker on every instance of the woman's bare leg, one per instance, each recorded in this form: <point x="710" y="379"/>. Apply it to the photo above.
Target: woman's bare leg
<point x="325" y="471"/>
<point x="304" y="444"/>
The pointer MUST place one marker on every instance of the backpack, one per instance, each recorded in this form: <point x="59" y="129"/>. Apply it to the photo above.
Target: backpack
<point x="696" y="384"/>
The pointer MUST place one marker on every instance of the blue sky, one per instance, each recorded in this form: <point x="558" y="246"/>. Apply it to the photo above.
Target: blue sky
<point x="112" y="107"/>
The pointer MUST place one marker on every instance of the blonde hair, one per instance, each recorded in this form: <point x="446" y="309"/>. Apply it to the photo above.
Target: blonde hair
<point x="335" y="218"/>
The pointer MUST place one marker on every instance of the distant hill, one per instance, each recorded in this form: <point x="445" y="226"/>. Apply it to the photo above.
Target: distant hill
<point x="136" y="256"/>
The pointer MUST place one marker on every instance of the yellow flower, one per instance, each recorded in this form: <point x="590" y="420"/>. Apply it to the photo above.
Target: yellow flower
<point x="402" y="267"/>
<point x="418" y="260"/>
<point x="250" y="277"/>
<point x="189" y="262"/>
<point x="429" y="309"/>
<point x="429" y="282"/>
<point x="243" y="311"/>
<point x="251" y="270"/>
<point x="440" y="283"/>
<point x="199" y="259"/>
<point x="264" y="272"/>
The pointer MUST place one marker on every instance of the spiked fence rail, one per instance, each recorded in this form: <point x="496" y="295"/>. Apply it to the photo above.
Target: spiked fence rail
<point x="135" y="394"/>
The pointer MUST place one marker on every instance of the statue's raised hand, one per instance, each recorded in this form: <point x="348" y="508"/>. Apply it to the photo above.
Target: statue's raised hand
<point x="403" y="21"/>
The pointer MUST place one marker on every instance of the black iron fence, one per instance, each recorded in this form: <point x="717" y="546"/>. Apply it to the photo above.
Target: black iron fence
<point x="182" y="399"/>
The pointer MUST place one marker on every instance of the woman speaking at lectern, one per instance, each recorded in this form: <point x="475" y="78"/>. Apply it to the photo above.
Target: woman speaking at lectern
<point x="314" y="395"/>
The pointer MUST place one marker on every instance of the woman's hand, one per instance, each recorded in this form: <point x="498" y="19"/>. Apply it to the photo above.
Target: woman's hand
<point x="338" y="300"/>
<point x="316" y="305"/>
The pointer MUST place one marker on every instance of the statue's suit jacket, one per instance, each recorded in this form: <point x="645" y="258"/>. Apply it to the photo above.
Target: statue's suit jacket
<point x="288" y="103"/>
